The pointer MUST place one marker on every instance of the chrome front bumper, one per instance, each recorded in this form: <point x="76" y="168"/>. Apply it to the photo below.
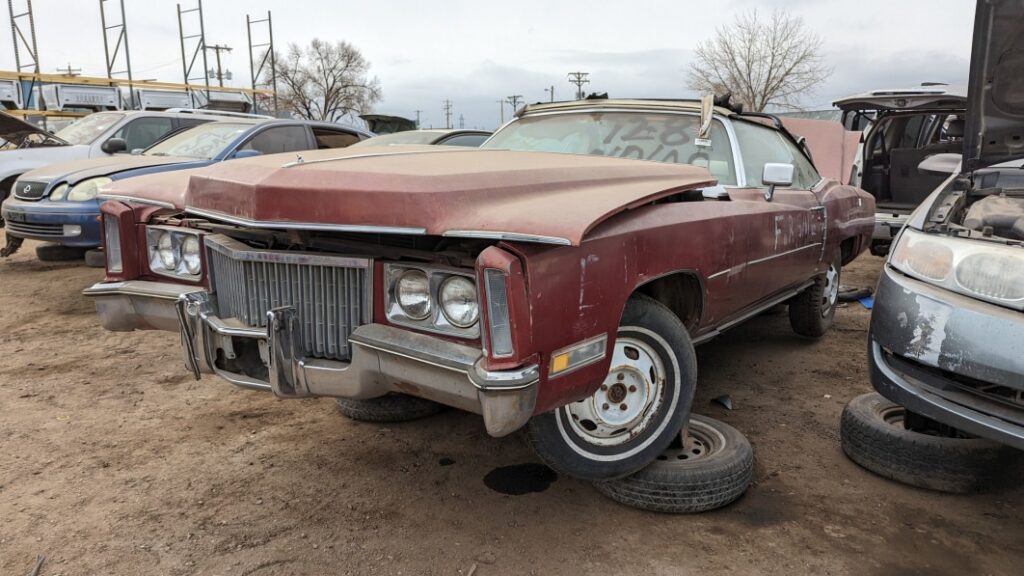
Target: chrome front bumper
<point x="384" y="359"/>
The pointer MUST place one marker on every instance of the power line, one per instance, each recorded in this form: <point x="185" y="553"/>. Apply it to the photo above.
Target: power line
<point x="514" y="101"/>
<point x="219" y="75"/>
<point x="579" y="79"/>
<point x="447" y="113"/>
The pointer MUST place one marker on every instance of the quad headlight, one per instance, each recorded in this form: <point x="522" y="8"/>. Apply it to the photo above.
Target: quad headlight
<point x="459" y="302"/>
<point x="87" y="189"/>
<point x="433" y="299"/>
<point x="173" y="252"/>
<point x="983" y="270"/>
<point x="413" y="294"/>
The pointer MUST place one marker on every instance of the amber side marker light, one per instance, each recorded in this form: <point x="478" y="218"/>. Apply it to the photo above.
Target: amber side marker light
<point x="578" y="355"/>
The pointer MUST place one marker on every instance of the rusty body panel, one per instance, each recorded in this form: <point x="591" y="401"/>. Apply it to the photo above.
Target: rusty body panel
<point x="575" y="235"/>
<point x="558" y="196"/>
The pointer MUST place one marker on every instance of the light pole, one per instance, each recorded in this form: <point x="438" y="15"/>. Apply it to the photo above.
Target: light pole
<point x="551" y="91"/>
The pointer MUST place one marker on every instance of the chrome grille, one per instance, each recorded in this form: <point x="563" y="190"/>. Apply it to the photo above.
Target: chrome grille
<point x="329" y="293"/>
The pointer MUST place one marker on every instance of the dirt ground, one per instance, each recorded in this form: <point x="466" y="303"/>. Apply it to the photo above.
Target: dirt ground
<point x="113" y="460"/>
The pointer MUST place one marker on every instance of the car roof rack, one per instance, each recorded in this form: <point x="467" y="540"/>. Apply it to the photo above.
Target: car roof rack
<point x="218" y="113"/>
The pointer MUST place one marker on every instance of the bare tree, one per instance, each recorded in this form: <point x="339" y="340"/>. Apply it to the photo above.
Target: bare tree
<point x="325" y="81"/>
<point x="763" y="64"/>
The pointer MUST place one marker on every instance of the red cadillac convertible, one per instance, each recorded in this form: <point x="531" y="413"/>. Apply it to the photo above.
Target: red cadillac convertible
<point x="557" y="278"/>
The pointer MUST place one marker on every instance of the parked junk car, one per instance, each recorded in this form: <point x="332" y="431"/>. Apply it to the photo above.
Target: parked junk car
<point x="946" y="343"/>
<point x="59" y="203"/>
<point x="434" y="137"/>
<point x="905" y="127"/>
<point x="556" y="279"/>
<point x="94" y="136"/>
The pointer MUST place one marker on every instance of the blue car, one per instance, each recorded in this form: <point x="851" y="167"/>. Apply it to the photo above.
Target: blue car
<point x="58" y="203"/>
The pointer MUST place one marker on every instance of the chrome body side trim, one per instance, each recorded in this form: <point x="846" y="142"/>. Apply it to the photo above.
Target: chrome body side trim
<point x="315" y="226"/>
<point x="510" y="236"/>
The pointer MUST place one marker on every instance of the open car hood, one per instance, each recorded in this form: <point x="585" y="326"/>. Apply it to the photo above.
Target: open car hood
<point x="995" y="119"/>
<point x="458" y="192"/>
<point x="16" y="130"/>
<point x="918" y="98"/>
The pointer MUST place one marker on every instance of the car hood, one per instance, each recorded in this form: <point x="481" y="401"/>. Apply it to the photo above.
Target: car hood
<point x="995" y="119"/>
<point x="15" y="130"/>
<point x="75" y="171"/>
<point x="938" y="97"/>
<point x="166" y="189"/>
<point x="544" y="197"/>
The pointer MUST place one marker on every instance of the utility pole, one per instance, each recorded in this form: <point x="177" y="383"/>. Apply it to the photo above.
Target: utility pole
<point x="69" y="71"/>
<point x="462" y="121"/>
<point x="514" y="101"/>
<point x="551" y="91"/>
<point x="501" y="106"/>
<point x="220" y="76"/>
<point x="447" y="114"/>
<point x="418" y="112"/>
<point x="579" y="79"/>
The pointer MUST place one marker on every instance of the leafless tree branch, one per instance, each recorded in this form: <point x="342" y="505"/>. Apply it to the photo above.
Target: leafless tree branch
<point x="325" y="81"/>
<point x="765" y="63"/>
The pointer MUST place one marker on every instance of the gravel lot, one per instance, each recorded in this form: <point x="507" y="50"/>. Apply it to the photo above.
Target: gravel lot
<point x="114" y="461"/>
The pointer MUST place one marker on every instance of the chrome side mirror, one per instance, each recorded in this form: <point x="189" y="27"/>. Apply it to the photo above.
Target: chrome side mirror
<point x="776" y="174"/>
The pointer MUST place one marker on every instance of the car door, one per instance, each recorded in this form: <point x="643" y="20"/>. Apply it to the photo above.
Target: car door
<point x="787" y="232"/>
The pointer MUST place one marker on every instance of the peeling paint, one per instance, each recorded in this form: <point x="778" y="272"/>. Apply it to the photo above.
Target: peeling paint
<point x="930" y="333"/>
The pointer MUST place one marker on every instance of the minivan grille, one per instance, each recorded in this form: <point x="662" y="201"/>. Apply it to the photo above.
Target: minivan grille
<point x="329" y="293"/>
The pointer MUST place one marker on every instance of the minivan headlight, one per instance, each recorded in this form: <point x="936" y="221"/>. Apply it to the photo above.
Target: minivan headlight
<point x="173" y="252"/>
<point x="87" y="189"/>
<point x="983" y="270"/>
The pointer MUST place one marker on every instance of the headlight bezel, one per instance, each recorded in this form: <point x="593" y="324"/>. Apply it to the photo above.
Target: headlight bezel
<point x="961" y="252"/>
<point x="87" y="189"/>
<point x="436" y="321"/>
<point x="59" y="192"/>
<point x="177" y="236"/>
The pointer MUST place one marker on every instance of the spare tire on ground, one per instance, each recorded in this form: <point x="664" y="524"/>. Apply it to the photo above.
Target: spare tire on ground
<point x="96" y="258"/>
<point x="875" y="434"/>
<point x="389" y="408"/>
<point x="712" y="467"/>
<point x="59" y="253"/>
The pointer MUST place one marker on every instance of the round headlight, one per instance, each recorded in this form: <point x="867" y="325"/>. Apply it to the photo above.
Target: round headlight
<point x="165" y="249"/>
<point x="190" y="254"/>
<point x="413" y="294"/>
<point x="459" y="302"/>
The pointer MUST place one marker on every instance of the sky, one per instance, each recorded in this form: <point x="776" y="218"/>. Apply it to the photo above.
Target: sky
<point x="475" y="52"/>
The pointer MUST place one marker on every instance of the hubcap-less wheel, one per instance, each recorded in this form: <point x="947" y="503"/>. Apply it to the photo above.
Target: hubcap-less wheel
<point x="624" y="405"/>
<point x="830" y="295"/>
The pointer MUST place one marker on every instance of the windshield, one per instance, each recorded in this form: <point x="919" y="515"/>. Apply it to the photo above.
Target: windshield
<point x="638" y="135"/>
<point x="408" y="137"/>
<point x="202" y="142"/>
<point x="89" y="128"/>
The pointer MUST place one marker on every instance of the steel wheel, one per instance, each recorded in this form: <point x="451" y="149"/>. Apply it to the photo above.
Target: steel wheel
<point x="830" y="294"/>
<point x="626" y="401"/>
